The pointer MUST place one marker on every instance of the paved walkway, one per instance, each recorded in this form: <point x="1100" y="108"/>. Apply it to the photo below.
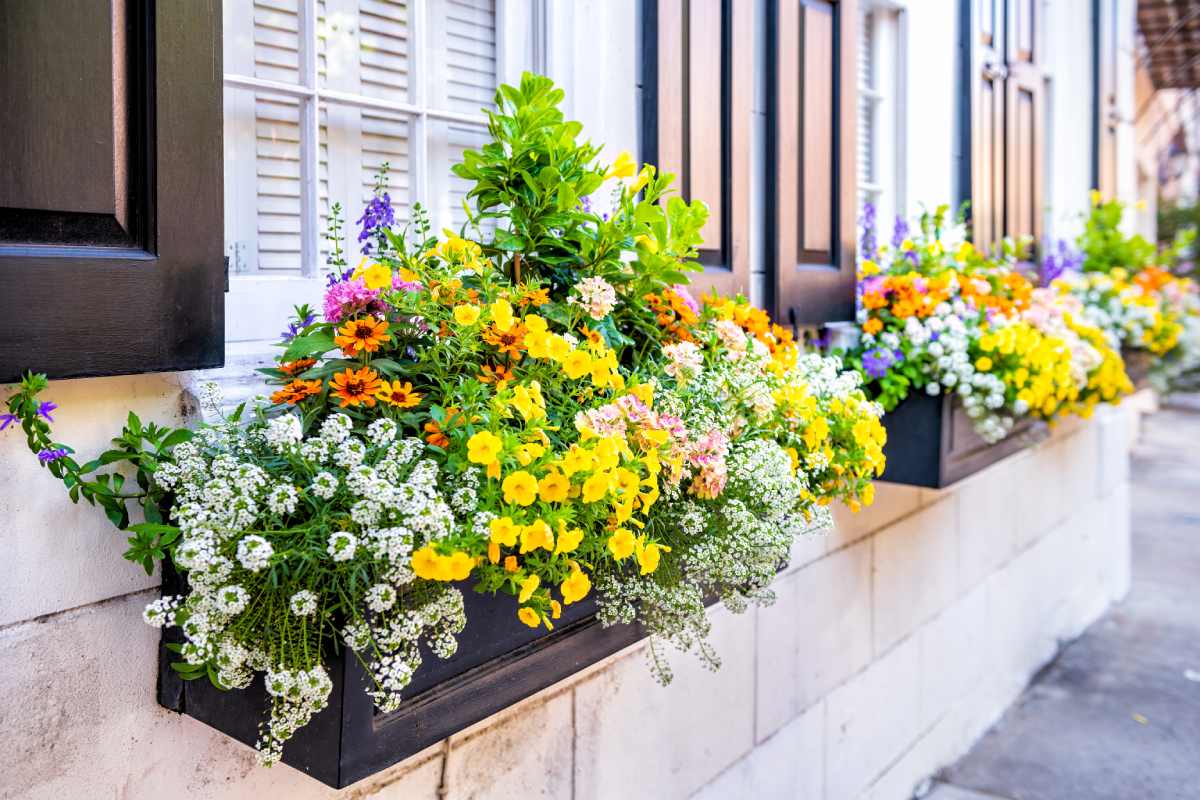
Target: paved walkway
<point x="1117" y="715"/>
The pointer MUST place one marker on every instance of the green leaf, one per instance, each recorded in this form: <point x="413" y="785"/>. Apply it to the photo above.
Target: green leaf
<point x="312" y="344"/>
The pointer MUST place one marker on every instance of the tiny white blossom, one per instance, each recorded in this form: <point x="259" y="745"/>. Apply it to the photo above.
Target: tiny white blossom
<point x="303" y="603"/>
<point x="342" y="545"/>
<point x="254" y="552"/>
<point x="232" y="599"/>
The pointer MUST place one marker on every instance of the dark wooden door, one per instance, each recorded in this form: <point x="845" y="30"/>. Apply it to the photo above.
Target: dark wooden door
<point x="988" y="154"/>
<point x="110" y="186"/>
<point x="1023" y="123"/>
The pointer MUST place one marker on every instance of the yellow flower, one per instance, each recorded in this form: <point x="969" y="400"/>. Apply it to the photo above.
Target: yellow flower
<point x="622" y="544"/>
<point x="520" y="487"/>
<point x="502" y="314"/>
<point x="553" y="488"/>
<point x="577" y="364"/>
<point x="529" y="617"/>
<point x="528" y="587"/>
<point x="534" y="323"/>
<point x="466" y="314"/>
<point x="623" y="167"/>
<point x="504" y="531"/>
<point x="526" y="453"/>
<point x="555" y="609"/>
<point x="644" y="177"/>
<point x="537" y="535"/>
<point x="1097" y="198"/>
<point x="537" y="344"/>
<point x="568" y="539"/>
<point x="510" y="564"/>
<point x="625" y="482"/>
<point x="460" y="565"/>
<point x="983" y="363"/>
<point x="644" y="241"/>
<point x="493" y="552"/>
<point x="426" y="563"/>
<point x="868" y="268"/>
<point x="595" y="487"/>
<point x="483" y="447"/>
<point x="377" y="276"/>
<point x="868" y="494"/>
<point x="575" y="587"/>
<point x="528" y="400"/>
<point x="558" y="348"/>
<point x="648" y="555"/>
<point x="576" y="460"/>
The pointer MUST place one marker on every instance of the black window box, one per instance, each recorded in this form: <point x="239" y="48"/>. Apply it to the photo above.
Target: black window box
<point x="499" y="662"/>
<point x="932" y="442"/>
<point x="1137" y="366"/>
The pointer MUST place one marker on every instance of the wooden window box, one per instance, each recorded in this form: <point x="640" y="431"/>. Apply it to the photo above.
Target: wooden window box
<point x="499" y="662"/>
<point x="1137" y="366"/>
<point x="932" y="442"/>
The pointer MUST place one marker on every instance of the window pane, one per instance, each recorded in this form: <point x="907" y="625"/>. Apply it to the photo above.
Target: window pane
<point x="364" y="48"/>
<point x="276" y="40"/>
<point x="462" y="54"/>
<point x="262" y="182"/>
<point x="355" y="143"/>
<point x="447" y="141"/>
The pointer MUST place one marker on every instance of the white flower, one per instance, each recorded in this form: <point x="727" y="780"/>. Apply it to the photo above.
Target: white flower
<point x="231" y="599"/>
<point x="933" y="389"/>
<point x="303" y="603"/>
<point x="336" y="427"/>
<point x="684" y="360"/>
<point x="254" y="552"/>
<point x="282" y="499"/>
<point x="342" y="546"/>
<point x="382" y="431"/>
<point x="283" y="431"/>
<point x="324" y="485"/>
<point x="596" y="295"/>
<point x="350" y="453"/>
<point x="210" y="396"/>
<point x="380" y="597"/>
<point x="161" y="612"/>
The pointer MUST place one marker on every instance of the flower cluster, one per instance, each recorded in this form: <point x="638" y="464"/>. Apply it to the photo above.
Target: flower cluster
<point x="938" y="315"/>
<point x="541" y="410"/>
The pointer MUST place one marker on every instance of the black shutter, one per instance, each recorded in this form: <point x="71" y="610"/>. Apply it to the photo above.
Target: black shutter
<point x="1007" y="119"/>
<point x="697" y="63"/>
<point x="110" y="186"/>
<point x="811" y="173"/>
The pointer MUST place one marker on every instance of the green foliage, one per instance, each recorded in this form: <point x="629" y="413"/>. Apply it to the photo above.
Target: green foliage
<point x="1106" y="247"/>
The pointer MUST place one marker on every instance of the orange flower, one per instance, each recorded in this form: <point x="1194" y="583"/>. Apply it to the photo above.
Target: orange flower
<point x="873" y="325"/>
<point x="297" y="366"/>
<point x="535" y="298"/>
<point x="509" y="342"/>
<point x="357" y="386"/>
<point x="498" y="374"/>
<point x="873" y="300"/>
<point x="361" y="336"/>
<point x="398" y="394"/>
<point x="433" y="431"/>
<point x="296" y="391"/>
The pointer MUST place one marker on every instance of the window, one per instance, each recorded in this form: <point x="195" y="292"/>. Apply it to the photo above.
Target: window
<point x="319" y="94"/>
<point x="1007" y="120"/>
<point x="880" y="100"/>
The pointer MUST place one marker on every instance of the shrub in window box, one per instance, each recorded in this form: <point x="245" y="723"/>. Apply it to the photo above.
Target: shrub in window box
<point x="543" y="412"/>
<point x="933" y="443"/>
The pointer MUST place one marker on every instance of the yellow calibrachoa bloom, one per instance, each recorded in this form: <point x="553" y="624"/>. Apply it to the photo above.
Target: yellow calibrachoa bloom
<point x="577" y="364"/>
<point x="528" y="587"/>
<point x="520" y="488"/>
<point x="466" y="314"/>
<point x="553" y="488"/>
<point x="484" y="447"/>
<point x="504" y="531"/>
<point x="983" y="363"/>
<point x="595" y="487"/>
<point x="622" y="544"/>
<point x="537" y="535"/>
<point x="529" y="616"/>
<point x="649" y="554"/>
<point x="576" y="459"/>
<point x="502" y="314"/>
<point x="568" y="539"/>
<point x="575" y="587"/>
<point x="623" y="167"/>
<point x="377" y="276"/>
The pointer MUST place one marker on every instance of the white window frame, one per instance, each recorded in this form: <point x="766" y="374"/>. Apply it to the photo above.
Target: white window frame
<point x="886" y="94"/>
<point x="258" y="304"/>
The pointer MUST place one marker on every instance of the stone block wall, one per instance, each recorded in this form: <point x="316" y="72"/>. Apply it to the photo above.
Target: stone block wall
<point x="897" y="638"/>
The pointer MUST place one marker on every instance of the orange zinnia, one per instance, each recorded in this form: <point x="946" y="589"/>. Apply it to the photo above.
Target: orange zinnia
<point x="357" y="386"/>
<point x="498" y="374"/>
<point x="361" y="336"/>
<point x="297" y="366"/>
<point x="535" y="298"/>
<point x="508" y="342"/>
<point x="296" y="391"/>
<point x="433" y="430"/>
<point x="873" y="325"/>
<point x="398" y="394"/>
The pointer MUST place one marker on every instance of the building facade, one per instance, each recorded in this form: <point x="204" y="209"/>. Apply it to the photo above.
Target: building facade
<point x="898" y="636"/>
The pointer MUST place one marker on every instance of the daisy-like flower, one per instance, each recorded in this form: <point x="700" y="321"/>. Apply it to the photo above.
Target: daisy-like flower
<point x="498" y="374"/>
<point x="357" y="386"/>
<point x="509" y="342"/>
<point x="297" y="391"/>
<point x="364" y="335"/>
<point x="398" y="394"/>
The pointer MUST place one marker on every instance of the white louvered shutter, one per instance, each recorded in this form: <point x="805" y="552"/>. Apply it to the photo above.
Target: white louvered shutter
<point x="868" y="99"/>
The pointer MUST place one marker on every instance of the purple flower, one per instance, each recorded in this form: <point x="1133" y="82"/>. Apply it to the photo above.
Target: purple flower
<point x="899" y="232"/>
<point x="44" y="409"/>
<point x="376" y="216"/>
<point x="1062" y="259"/>
<point x="294" y="328"/>
<point x="878" y="361"/>
<point x="868" y="245"/>
<point x="585" y="204"/>
<point x="338" y="277"/>
<point x="6" y="420"/>
<point x="47" y="456"/>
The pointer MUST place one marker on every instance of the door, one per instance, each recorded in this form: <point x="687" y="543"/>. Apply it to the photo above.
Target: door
<point x="110" y="186"/>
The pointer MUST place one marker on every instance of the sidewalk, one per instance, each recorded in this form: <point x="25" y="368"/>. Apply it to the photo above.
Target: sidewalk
<point x="1117" y="714"/>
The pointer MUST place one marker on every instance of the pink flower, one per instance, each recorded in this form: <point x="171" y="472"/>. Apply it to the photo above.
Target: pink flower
<point x="686" y="296"/>
<point x="349" y="298"/>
